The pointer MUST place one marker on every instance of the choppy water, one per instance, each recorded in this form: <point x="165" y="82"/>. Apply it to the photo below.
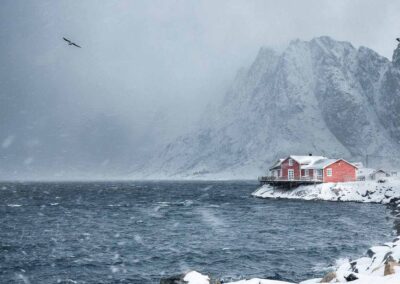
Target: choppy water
<point x="141" y="231"/>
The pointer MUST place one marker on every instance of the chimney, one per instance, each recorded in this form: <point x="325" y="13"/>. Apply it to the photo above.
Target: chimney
<point x="310" y="154"/>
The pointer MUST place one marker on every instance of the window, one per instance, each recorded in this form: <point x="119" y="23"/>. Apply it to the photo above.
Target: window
<point x="306" y="173"/>
<point x="319" y="173"/>
<point x="290" y="162"/>
<point x="329" y="172"/>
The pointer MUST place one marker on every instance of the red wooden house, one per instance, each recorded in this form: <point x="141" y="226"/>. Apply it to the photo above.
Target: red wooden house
<point x="311" y="169"/>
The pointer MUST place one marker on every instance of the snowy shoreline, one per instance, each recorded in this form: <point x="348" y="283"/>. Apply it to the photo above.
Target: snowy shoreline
<point x="380" y="265"/>
<point x="362" y="191"/>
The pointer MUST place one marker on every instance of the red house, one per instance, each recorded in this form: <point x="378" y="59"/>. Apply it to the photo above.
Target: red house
<point x="311" y="169"/>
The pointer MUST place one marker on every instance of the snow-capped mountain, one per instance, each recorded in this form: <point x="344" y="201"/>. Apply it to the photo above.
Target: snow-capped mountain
<point x="320" y="96"/>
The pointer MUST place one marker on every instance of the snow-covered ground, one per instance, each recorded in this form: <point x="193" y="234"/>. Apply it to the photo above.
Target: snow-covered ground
<point x="360" y="191"/>
<point x="380" y="265"/>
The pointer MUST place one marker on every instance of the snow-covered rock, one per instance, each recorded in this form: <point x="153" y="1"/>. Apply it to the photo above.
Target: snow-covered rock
<point x="191" y="277"/>
<point x="194" y="277"/>
<point x="259" y="281"/>
<point x="360" y="191"/>
<point x="320" y="96"/>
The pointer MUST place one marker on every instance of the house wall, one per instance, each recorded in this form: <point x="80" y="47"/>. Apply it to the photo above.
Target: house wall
<point x="275" y="172"/>
<point x="309" y="175"/>
<point x="285" y="168"/>
<point x="341" y="172"/>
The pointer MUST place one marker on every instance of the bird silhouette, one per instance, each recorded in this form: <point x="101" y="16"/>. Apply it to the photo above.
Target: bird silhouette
<point x="70" y="42"/>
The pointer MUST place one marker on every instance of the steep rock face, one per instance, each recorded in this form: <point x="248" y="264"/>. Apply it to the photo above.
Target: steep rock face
<point x="321" y="96"/>
<point x="389" y="97"/>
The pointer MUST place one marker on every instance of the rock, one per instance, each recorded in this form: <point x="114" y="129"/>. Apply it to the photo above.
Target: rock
<point x="388" y="257"/>
<point x="390" y="267"/>
<point x="353" y="266"/>
<point x="328" y="277"/>
<point x="190" y="277"/>
<point x="370" y="253"/>
<point x="176" y="279"/>
<point x="351" y="277"/>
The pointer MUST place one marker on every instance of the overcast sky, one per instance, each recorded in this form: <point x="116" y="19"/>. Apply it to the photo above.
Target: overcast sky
<point x="147" y="68"/>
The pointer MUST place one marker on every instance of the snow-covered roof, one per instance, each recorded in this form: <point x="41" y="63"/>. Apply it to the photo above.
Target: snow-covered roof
<point x="320" y="164"/>
<point x="311" y="162"/>
<point x="359" y="165"/>
<point x="306" y="160"/>
<point x="379" y="171"/>
<point x="277" y="164"/>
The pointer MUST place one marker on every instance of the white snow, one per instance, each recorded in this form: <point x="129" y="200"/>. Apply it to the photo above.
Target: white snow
<point x="194" y="277"/>
<point x="360" y="191"/>
<point x="259" y="281"/>
<point x="307" y="160"/>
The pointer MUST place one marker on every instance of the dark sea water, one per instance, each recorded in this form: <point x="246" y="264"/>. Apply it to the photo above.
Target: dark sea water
<point x="138" y="232"/>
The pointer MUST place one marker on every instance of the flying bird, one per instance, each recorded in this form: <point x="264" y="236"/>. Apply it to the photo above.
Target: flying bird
<point x="70" y="42"/>
<point x="398" y="39"/>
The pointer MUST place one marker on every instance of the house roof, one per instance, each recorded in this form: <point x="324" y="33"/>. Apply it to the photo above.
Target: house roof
<point x="379" y="171"/>
<point x="302" y="160"/>
<point x="277" y="164"/>
<point x="306" y="160"/>
<point x="310" y="162"/>
<point x="320" y="164"/>
<point x="323" y="163"/>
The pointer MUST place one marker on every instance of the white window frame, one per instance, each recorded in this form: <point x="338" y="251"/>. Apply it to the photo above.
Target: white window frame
<point x="329" y="172"/>
<point x="288" y="174"/>
<point x="306" y="172"/>
<point x="290" y="162"/>
<point x="280" y="172"/>
<point x="318" y="173"/>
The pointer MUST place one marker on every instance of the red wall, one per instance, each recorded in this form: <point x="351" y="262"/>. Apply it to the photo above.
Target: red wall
<point x="341" y="172"/>
<point x="285" y="167"/>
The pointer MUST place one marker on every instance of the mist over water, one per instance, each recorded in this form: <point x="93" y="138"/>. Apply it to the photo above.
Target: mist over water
<point x="139" y="232"/>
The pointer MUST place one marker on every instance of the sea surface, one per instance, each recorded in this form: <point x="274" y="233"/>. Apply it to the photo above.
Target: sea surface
<point x="138" y="232"/>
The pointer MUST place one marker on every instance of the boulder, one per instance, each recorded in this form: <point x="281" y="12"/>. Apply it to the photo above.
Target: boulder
<point x="328" y="277"/>
<point x="176" y="279"/>
<point x="351" y="277"/>
<point x="390" y="268"/>
<point x="192" y="277"/>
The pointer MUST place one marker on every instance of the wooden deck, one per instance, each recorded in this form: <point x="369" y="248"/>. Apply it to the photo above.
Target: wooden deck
<point x="276" y="181"/>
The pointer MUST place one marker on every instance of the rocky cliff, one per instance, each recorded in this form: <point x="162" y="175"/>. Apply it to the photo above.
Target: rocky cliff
<point x="321" y="96"/>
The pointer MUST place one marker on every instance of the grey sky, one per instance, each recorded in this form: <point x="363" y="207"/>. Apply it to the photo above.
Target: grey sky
<point x="148" y="67"/>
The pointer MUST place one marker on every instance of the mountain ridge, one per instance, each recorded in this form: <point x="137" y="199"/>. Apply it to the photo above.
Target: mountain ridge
<point x="320" y="96"/>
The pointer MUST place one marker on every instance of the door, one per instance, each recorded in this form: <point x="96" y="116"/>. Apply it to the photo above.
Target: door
<point x="290" y="174"/>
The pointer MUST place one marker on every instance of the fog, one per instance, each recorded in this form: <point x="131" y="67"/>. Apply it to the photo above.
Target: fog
<point x="144" y="74"/>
